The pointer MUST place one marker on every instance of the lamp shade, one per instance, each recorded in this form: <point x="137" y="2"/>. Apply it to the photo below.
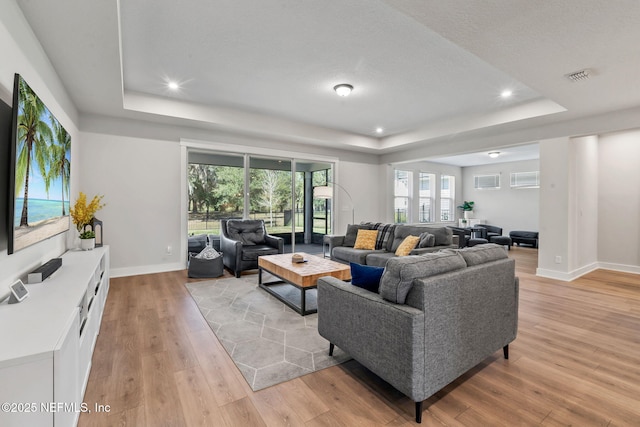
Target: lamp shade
<point x="322" y="192"/>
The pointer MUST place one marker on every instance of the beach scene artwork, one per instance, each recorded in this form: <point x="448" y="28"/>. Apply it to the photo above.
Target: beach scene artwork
<point x="42" y="172"/>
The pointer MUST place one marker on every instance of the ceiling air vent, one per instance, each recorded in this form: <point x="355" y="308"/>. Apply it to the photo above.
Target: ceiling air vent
<point x="579" y="76"/>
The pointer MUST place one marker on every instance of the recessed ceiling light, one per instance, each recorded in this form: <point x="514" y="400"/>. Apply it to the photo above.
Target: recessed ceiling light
<point x="379" y="130"/>
<point x="494" y="154"/>
<point x="506" y="93"/>
<point x="343" y="89"/>
<point x="173" y="85"/>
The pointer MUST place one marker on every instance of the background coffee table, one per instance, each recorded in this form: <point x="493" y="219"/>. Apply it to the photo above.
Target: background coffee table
<point x="298" y="278"/>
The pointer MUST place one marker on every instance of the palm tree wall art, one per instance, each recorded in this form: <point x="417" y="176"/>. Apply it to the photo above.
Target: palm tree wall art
<point x="42" y="170"/>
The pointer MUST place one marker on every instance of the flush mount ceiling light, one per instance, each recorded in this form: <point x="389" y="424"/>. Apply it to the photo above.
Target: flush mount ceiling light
<point x="173" y="85"/>
<point x="379" y="130"/>
<point x="343" y="89"/>
<point x="494" y="154"/>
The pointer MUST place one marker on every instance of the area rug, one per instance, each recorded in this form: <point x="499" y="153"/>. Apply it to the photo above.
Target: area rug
<point x="268" y="341"/>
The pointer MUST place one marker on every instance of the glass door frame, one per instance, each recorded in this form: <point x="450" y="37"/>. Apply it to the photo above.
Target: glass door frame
<point x="246" y="151"/>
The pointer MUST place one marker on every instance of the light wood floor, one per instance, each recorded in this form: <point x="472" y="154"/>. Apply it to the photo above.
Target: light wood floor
<point x="576" y="361"/>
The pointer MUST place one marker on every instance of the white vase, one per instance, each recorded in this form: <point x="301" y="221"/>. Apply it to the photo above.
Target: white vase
<point x="87" y="244"/>
<point x="468" y="214"/>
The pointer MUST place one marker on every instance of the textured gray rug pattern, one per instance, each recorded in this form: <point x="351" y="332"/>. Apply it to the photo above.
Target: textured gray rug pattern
<point x="268" y="341"/>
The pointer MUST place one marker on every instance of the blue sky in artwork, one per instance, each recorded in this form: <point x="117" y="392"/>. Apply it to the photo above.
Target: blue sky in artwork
<point x="37" y="188"/>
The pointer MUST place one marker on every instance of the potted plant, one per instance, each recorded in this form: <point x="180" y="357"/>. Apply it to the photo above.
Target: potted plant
<point x="467" y="207"/>
<point x="81" y="215"/>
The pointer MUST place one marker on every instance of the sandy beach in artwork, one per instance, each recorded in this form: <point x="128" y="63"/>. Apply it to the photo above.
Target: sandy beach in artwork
<point x="25" y="236"/>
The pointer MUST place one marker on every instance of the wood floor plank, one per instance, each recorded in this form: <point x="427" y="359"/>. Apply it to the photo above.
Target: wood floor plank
<point x="575" y="362"/>
<point x="297" y="395"/>
<point x="242" y="413"/>
<point x="162" y="402"/>
<point x="199" y="407"/>
<point x="219" y="370"/>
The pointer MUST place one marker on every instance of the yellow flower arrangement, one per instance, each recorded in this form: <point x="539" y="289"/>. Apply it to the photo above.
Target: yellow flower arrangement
<point x="81" y="213"/>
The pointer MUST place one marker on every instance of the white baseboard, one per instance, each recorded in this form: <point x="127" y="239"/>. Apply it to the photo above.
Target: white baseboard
<point x="146" y="269"/>
<point x="567" y="277"/>
<point x="620" y="267"/>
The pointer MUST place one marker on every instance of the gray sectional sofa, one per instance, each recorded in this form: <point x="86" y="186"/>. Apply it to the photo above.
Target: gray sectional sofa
<point x="435" y="317"/>
<point x="389" y="238"/>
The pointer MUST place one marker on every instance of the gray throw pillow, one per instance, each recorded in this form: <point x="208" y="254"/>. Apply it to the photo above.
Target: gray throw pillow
<point x="427" y="240"/>
<point x="400" y="272"/>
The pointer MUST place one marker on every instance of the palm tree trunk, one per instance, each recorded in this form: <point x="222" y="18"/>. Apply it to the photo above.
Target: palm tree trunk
<point x="25" y="199"/>
<point x="63" y="210"/>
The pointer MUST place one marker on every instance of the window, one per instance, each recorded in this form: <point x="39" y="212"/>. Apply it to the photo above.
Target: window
<point x="525" y="179"/>
<point x="426" y="194"/>
<point x="484" y="182"/>
<point x="402" y="192"/>
<point x="447" y="195"/>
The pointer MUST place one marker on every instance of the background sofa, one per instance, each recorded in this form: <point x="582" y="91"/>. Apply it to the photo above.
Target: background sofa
<point x="390" y="236"/>
<point x="437" y="315"/>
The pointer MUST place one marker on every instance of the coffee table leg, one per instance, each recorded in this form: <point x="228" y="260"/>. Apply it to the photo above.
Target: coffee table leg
<point x="303" y="303"/>
<point x="259" y="276"/>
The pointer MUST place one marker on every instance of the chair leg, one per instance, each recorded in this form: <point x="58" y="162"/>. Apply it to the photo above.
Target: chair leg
<point x="419" y="412"/>
<point x="505" y="351"/>
<point x="331" y="346"/>
<point x="237" y="272"/>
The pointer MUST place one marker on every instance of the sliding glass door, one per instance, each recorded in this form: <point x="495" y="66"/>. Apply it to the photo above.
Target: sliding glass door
<point x="216" y="190"/>
<point x="276" y="190"/>
<point x="270" y="195"/>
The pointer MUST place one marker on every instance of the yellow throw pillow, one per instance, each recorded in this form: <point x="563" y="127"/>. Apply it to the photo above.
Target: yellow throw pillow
<point x="407" y="245"/>
<point x="366" y="239"/>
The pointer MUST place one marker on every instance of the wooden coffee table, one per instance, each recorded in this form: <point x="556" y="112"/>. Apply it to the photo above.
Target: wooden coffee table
<point x="301" y="276"/>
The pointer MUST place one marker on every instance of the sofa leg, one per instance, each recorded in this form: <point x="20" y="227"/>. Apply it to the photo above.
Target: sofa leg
<point x="237" y="274"/>
<point x="505" y="351"/>
<point x="331" y="346"/>
<point x="419" y="412"/>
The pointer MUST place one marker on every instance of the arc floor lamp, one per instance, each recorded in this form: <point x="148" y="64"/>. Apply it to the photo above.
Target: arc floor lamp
<point x="326" y="192"/>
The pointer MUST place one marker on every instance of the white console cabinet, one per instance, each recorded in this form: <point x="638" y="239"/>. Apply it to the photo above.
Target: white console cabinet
<point x="48" y="340"/>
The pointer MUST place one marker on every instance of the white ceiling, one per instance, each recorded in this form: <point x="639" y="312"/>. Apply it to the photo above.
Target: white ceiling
<point x="422" y="69"/>
<point x="506" y="154"/>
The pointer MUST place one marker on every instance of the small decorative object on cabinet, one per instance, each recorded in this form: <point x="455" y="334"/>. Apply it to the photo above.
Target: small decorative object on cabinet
<point x="87" y="240"/>
<point x="96" y="225"/>
<point x="83" y="217"/>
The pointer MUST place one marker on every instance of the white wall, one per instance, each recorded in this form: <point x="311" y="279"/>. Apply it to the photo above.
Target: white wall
<point x="585" y="181"/>
<point x="583" y="216"/>
<point x="619" y="201"/>
<point x="508" y="208"/>
<point x="22" y="54"/>
<point x="140" y="181"/>
<point x="362" y="181"/>
<point x="553" y="253"/>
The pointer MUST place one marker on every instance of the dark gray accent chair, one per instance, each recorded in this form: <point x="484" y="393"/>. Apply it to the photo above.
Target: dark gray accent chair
<point x="435" y="317"/>
<point x="243" y="241"/>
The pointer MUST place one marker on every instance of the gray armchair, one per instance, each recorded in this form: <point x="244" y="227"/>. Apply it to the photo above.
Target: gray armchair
<point x="243" y="241"/>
